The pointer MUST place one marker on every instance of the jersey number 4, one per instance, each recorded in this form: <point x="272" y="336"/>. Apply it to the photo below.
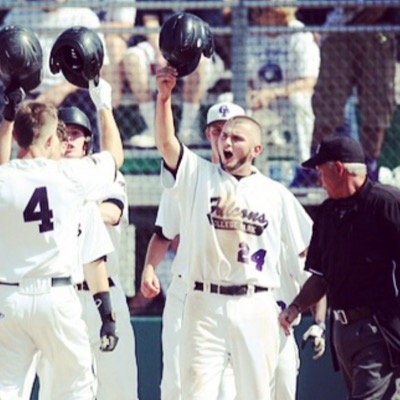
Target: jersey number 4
<point x="38" y="209"/>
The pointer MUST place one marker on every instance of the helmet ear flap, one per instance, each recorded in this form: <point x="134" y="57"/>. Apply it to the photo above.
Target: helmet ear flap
<point x="208" y="39"/>
<point x="55" y="66"/>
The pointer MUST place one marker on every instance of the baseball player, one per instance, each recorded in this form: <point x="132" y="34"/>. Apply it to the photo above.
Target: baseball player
<point x="40" y="201"/>
<point x="235" y="219"/>
<point x="167" y="228"/>
<point x="117" y="371"/>
<point x="91" y="252"/>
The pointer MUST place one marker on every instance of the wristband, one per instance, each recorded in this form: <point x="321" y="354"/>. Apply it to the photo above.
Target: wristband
<point x="103" y="304"/>
<point x="296" y="306"/>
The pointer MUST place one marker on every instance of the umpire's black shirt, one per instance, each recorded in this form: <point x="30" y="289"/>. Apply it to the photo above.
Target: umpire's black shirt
<point x="355" y="246"/>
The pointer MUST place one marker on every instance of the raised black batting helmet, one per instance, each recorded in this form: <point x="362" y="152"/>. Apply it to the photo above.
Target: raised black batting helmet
<point x="184" y="37"/>
<point x="78" y="53"/>
<point x="21" y="57"/>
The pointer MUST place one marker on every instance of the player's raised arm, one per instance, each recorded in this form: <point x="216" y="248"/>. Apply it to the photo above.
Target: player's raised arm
<point x="166" y="140"/>
<point x="13" y="97"/>
<point x="110" y="136"/>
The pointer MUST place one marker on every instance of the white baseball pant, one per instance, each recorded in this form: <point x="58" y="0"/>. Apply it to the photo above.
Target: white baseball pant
<point x="36" y="316"/>
<point x="218" y="328"/>
<point x="116" y="371"/>
<point x="285" y="382"/>
<point x="171" y="337"/>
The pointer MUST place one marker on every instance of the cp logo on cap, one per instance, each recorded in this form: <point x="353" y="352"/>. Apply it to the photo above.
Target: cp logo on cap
<point x="224" y="111"/>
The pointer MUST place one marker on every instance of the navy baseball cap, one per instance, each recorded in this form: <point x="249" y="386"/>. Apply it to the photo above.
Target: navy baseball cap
<point x="338" y="148"/>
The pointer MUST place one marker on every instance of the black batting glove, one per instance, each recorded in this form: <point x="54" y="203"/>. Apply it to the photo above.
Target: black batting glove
<point x="13" y="97"/>
<point x="108" y="336"/>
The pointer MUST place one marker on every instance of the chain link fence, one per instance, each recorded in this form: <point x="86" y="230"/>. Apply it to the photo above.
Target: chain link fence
<point x="305" y="70"/>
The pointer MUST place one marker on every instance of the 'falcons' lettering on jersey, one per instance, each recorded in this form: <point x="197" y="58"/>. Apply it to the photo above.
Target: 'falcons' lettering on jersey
<point x="229" y="216"/>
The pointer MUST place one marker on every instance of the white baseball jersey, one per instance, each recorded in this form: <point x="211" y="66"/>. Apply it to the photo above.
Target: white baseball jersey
<point x="168" y="218"/>
<point x="40" y="203"/>
<point x="93" y="237"/>
<point x="277" y="61"/>
<point x="238" y="223"/>
<point x="117" y="191"/>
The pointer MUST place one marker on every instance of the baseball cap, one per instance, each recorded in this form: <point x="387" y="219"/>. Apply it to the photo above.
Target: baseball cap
<point x="338" y="148"/>
<point x="223" y="111"/>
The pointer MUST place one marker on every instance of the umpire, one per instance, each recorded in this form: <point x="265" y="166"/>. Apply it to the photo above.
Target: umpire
<point x="354" y="258"/>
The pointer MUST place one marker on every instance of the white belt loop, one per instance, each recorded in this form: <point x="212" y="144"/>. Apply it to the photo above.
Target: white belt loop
<point x="33" y="286"/>
<point x="207" y="287"/>
<point x="251" y="290"/>
<point x="340" y="316"/>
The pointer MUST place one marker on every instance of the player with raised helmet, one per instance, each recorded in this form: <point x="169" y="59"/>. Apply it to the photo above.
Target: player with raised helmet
<point x="41" y="197"/>
<point x="167" y="227"/>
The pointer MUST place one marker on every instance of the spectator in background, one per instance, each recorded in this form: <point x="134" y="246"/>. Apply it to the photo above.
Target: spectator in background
<point x="283" y="73"/>
<point x="361" y="60"/>
<point x="48" y="21"/>
<point x="142" y="60"/>
<point x="120" y="22"/>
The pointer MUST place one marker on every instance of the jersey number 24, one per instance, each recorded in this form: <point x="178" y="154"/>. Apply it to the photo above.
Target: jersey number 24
<point x="245" y="256"/>
<point x="38" y="209"/>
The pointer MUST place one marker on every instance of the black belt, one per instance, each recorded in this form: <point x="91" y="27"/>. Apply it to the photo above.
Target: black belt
<point x="84" y="285"/>
<point x="58" y="281"/>
<point x="346" y="317"/>
<point x="234" y="290"/>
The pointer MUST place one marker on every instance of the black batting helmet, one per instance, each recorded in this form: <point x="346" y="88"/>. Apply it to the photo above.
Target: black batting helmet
<point x="184" y="37"/>
<point x="79" y="53"/>
<point x="74" y="116"/>
<point x="21" y="57"/>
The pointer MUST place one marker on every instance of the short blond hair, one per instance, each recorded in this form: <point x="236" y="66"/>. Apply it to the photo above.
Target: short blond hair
<point x="30" y="121"/>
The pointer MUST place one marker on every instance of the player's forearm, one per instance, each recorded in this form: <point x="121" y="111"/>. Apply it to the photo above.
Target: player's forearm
<point x="6" y="128"/>
<point x="312" y="292"/>
<point x="156" y="251"/>
<point x="111" y="138"/>
<point x="166" y="141"/>
<point x="96" y="276"/>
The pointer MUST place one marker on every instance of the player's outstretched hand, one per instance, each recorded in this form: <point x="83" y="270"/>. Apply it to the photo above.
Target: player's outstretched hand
<point x="101" y="94"/>
<point x="14" y="95"/>
<point x="315" y="334"/>
<point x="287" y="317"/>
<point x="166" y="81"/>
<point x="108" y="336"/>
<point x="150" y="286"/>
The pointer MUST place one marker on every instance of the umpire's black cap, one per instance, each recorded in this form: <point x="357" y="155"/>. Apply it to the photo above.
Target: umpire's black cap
<point x="338" y="148"/>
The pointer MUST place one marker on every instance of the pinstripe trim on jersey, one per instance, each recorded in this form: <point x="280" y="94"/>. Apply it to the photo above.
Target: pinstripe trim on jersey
<point x="158" y="230"/>
<point x="174" y="171"/>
